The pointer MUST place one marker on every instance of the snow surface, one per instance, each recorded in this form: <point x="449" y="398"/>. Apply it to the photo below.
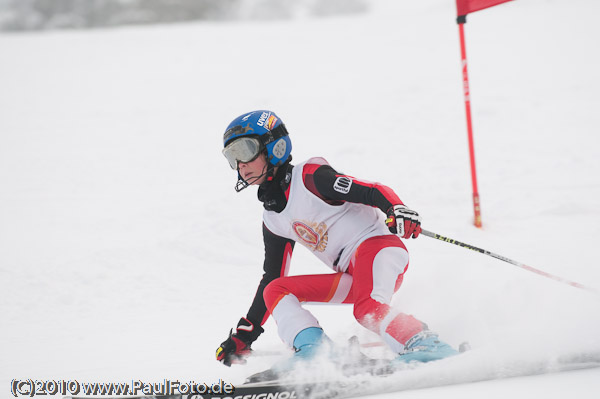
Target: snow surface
<point x="126" y="254"/>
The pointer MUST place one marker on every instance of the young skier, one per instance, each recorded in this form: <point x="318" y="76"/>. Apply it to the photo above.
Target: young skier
<point x="337" y="217"/>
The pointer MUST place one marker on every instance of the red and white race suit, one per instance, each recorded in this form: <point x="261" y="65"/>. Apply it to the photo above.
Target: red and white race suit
<point x="341" y="220"/>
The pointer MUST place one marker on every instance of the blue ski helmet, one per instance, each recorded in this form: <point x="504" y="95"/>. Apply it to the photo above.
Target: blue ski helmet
<point x="268" y="128"/>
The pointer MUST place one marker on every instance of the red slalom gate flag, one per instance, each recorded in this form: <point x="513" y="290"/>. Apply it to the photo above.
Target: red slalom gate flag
<point x="463" y="7"/>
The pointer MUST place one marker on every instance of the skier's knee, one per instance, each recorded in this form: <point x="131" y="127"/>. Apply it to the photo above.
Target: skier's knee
<point x="273" y="293"/>
<point x="369" y="313"/>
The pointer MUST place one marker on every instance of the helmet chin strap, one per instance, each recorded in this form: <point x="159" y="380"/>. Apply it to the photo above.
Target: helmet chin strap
<point x="242" y="184"/>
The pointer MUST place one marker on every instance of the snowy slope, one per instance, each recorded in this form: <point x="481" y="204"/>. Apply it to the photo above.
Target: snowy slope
<point x="126" y="254"/>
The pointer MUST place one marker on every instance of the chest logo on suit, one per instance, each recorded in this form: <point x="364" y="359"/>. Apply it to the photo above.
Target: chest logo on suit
<point x="312" y="235"/>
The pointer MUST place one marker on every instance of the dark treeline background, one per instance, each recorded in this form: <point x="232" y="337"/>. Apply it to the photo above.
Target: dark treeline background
<point x="23" y="15"/>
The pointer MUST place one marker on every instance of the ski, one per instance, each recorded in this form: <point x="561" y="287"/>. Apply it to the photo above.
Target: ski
<point x="451" y="371"/>
<point x="357" y="374"/>
<point x="290" y="390"/>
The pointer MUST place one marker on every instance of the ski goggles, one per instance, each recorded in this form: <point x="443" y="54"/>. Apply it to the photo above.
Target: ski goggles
<point x="244" y="149"/>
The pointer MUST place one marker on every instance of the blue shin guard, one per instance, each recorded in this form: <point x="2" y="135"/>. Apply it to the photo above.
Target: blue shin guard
<point x="308" y="342"/>
<point x="307" y="345"/>
<point x="425" y="347"/>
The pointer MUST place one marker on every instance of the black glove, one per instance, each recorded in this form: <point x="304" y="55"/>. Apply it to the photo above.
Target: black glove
<point x="403" y="221"/>
<point x="235" y="348"/>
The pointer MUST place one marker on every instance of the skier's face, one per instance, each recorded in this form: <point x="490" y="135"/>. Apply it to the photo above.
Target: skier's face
<point x="254" y="172"/>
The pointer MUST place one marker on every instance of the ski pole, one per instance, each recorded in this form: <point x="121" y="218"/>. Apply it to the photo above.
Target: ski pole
<point x="512" y="262"/>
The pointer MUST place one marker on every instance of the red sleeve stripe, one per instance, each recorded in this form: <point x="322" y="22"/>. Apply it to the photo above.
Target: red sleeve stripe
<point x="387" y="192"/>
<point x="309" y="180"/>
<point x="285" y="269"/>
